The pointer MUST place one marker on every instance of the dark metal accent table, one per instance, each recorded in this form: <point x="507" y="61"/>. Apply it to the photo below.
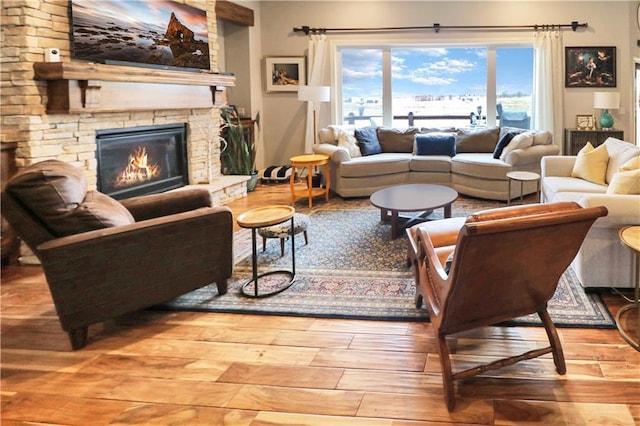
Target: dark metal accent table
<point x="423" y="198"/>
<point x="259" y="218"/>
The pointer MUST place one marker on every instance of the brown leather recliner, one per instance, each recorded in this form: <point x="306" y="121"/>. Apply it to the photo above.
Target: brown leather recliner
<point x="491" y="277"/>
<point x="103" y="258"/>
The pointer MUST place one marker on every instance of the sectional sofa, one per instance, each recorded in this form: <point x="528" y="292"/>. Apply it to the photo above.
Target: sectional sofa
<point x="606" y="176"/>
<point x="472" y="161"/>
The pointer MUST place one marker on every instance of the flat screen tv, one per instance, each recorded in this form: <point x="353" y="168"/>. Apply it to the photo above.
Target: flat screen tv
<point x="153" y="33"/>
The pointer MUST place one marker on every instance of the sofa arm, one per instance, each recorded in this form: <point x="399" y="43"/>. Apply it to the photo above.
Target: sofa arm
<point x="337" y="154"/>
<point x="623" y="209"/>
<point x="557" y="165"/>
<point x="168" y="203"/>
<point x="530" y="155"/>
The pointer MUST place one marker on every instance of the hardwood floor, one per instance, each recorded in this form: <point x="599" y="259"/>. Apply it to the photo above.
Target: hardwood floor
<point x="190" y="368"/>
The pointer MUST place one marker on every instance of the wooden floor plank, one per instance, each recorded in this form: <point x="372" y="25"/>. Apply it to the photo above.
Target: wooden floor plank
<point x="373" y="360"/>
<point x="281" y="375"/>
<point x="297" y="400"/>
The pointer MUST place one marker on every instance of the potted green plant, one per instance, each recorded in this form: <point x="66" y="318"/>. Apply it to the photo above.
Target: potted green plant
<point x="238" y="155"/>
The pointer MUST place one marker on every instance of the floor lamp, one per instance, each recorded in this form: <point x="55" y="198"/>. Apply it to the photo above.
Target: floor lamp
<point x="315" y="95"/>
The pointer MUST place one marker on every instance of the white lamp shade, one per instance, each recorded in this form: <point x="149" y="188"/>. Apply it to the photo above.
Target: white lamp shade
<point x="314" y="93"/>
<point x="606" y="100"/>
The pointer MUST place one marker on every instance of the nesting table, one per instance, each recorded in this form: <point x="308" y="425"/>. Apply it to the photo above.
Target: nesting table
<point x="259" y="218"/>
<point x="310" y="161"/>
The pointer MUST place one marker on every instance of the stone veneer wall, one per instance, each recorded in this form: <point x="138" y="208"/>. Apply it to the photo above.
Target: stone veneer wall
<point x="29" y="27"/>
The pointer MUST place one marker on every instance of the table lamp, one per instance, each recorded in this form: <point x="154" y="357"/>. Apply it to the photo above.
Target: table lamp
<point x="315" y="95"/>
<point x="606" y="101"/>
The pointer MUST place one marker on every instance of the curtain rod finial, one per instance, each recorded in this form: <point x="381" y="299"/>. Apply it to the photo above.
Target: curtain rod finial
<point x="304" y="29"/>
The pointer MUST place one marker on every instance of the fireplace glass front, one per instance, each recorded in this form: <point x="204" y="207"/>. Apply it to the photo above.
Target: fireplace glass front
<point x="142" y="160"/>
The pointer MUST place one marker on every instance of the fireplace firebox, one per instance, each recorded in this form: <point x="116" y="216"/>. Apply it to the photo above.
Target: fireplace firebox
<point x="142" y="160"/>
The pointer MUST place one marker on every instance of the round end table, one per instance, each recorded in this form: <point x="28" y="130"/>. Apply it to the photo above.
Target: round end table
<point x="630" y="237"/>
<point x="522" y="177"/>
<point x="259" y="218"/>
<point x="310" y="161"/>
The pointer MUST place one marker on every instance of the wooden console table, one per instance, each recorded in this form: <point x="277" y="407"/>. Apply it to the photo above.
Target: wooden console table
<point x="575" y="139"/>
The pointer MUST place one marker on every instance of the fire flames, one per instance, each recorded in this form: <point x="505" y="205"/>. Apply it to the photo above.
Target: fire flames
<point x="138" y="169"/>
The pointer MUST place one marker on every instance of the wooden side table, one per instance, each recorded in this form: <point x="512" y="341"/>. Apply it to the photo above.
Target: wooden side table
<point x="258" y="218"/>
<point x="522" y="177"/>
<point x="310" y="161"/>
<point x="630" y="237"/>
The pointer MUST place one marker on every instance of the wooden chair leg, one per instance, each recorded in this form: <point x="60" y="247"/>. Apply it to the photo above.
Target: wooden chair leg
<point x="282" y="246"/>
<point x="447" y="378"/>
<point x="264" y="243"/>
<point x="306" y="238"/>
<point x="556" y="346"/>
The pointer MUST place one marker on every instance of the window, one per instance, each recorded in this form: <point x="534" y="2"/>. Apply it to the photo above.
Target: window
<point x="435" y="86"/>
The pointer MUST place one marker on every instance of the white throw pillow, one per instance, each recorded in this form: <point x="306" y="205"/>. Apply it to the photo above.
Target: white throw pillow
<point x="542" y="138"/>
<point x="347" y="139"/>
<point x="522" y="140"/>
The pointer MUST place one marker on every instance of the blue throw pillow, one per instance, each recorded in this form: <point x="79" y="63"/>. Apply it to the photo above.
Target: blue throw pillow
<point x="503" y="142"/>
<point x="436" y="144"/>
<point x="368" y="141"/>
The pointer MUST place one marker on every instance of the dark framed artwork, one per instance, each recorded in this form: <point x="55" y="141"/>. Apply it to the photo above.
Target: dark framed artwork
<point x="590" y="66"/>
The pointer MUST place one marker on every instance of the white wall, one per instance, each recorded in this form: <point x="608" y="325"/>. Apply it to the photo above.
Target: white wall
<point x="611" y="23"/>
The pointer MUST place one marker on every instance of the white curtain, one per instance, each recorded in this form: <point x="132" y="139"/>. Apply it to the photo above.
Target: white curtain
<point x="317" y="54"/>
<point x="548" y="83"/>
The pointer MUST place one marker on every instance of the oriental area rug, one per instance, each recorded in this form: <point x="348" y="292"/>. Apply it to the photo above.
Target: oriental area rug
<point x="351" y="268"/>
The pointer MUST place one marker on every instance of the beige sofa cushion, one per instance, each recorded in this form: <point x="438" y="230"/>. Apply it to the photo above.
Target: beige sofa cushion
<point x="477" y="140"/>
<point x="396" y="140"/>
<point x="591" y="164"/>
<point x="619" y="153"/>
<point x="56" y="192"/>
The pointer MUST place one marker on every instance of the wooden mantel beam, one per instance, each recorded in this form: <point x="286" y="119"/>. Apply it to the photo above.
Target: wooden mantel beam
<point x="235" y="13"/>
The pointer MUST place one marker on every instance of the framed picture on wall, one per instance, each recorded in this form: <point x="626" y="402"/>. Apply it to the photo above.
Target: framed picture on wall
<point x="590" y="66"/>
<point x="284" y="73"/>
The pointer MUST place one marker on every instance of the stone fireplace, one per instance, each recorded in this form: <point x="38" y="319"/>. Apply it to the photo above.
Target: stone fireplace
<point x="55" y="110"/>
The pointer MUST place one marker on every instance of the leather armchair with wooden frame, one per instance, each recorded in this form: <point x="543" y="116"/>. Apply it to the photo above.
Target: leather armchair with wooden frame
<point x="103" y="258"/>
<point x="490" y="279"/>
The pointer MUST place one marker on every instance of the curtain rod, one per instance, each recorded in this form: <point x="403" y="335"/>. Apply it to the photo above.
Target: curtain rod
<point x="574" y="25"/>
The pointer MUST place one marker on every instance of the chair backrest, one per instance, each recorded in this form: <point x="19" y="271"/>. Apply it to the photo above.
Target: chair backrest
<point x="49" y="199"/>
<point x="505" y="267"/>
<point x="27" y="226"/>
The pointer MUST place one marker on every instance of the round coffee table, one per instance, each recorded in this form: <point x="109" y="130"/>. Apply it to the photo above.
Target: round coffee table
<point x="259" y="218"/>
<point x="423" y="198"/>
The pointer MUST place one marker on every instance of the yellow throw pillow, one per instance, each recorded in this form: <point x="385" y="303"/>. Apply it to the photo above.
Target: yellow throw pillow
<point x="632" y="164"/>
<point x="627" y="179"/>
<point x="591" y="164"/>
